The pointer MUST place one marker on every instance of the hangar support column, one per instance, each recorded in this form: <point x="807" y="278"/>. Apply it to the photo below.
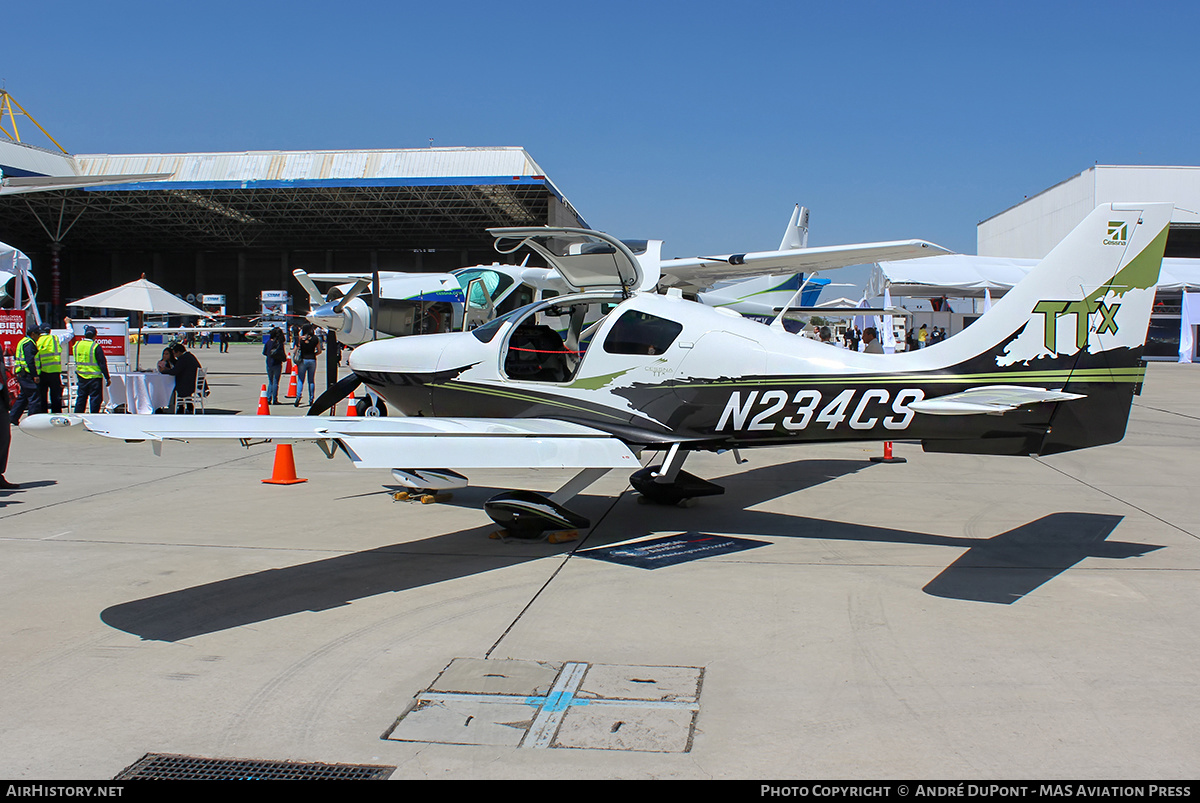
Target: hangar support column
<point x="244" y="302"/>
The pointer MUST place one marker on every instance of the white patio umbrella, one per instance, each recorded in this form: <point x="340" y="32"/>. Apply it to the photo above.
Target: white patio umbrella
<point x="141" y="296"/>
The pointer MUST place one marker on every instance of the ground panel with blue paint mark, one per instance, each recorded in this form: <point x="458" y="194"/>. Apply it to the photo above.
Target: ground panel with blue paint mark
<point x="537" y="705"/>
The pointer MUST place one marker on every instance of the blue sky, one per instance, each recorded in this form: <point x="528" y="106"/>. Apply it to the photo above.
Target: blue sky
<point x="699" y="123"/>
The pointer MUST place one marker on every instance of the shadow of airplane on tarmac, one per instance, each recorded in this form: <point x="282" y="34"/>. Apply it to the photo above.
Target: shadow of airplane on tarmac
<point x="1001" y="569"/>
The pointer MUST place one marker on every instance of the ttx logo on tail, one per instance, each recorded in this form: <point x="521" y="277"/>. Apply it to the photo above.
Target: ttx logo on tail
<point x="1051" y="311"/>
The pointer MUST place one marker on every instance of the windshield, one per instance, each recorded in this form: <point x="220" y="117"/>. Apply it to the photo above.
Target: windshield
<point x="486" y="332"/>
<point x="491" y="282"/>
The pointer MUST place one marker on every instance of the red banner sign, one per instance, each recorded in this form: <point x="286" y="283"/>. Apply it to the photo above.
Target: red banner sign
<point x="12" y="329"/>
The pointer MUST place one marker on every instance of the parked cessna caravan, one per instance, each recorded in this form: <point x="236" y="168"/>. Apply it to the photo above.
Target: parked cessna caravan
<point x="365" y="306"/>
<point x="1052" y="367"/>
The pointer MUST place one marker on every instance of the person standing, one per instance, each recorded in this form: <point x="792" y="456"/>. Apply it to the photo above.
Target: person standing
<point x="90" y="368"/>
<point x="49" y="368"/>
<point x="275" y="350"/>
<point x="922" y="337"/>
<point x="308" y="346"/>
<point x="871" y="341"/>
<point x="25" y="368"/>
<point x="6" y="404"/>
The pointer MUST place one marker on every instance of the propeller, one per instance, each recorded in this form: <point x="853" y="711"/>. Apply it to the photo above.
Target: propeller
<point x="353" y="293"/>
<point x="331" y="315"/>
<point x="315" y="297"/>
<point x="335" y="393"/>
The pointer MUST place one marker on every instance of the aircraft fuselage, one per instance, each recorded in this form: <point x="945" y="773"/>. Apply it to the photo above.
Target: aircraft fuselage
<point x="655" y="370"/>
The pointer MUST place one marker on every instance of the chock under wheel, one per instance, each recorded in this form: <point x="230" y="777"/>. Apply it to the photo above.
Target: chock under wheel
<point x="423" y="498"/>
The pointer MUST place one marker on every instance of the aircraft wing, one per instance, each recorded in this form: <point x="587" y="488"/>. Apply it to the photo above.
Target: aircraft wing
<point x="340" y="278"/>
<point x="698" y="273"/>
<point x="354" y="276"/>
<point x="461" y="443"/>
<point x="21" y="184"/>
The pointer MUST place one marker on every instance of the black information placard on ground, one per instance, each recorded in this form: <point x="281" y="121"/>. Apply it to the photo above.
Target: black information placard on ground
<point x="669" y="550"/>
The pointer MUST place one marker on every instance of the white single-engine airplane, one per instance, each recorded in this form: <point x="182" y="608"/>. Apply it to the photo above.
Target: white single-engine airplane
<point x="1052" y="367"/>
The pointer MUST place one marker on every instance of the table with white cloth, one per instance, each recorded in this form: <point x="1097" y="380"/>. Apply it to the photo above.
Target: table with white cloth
<point x="141" y="392"/>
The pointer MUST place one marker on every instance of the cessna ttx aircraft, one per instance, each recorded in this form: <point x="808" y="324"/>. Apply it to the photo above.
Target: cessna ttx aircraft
<point x="1052" y="367"/>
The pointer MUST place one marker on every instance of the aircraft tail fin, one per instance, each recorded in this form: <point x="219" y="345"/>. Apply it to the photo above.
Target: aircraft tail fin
<point x="1077" y="323"/>
<point x="796" y="233"/>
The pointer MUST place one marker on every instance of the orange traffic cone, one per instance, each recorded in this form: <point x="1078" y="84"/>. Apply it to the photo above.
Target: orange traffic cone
<point x="352" y="407"/>
<point x="287" y="368"/>
<point x="264" y="406"/>
<point x="887" y="455"/>
<point x="284" y="472"/>
<point x="291" y="392"/>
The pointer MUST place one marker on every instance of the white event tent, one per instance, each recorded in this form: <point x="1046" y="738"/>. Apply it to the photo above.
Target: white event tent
<point x="968" y="276"/>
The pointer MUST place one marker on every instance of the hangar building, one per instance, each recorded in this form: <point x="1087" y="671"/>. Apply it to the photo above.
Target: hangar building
<point x="1031" y="228"/>
<point x="1011" y="242"/>
<point x="236" y="224"/>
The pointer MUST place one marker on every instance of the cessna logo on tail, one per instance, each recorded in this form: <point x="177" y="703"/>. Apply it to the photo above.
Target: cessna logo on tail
<point x="1118" y="233"/>
<point x="1051" y="311"/>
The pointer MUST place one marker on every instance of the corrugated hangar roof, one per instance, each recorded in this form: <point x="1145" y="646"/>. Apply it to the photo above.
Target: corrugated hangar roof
<point x="368" y="199"/>
<point x="270" y="167"/>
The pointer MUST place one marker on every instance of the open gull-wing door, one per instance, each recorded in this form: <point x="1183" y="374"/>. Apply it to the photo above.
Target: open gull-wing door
<point x="586" y="259"/>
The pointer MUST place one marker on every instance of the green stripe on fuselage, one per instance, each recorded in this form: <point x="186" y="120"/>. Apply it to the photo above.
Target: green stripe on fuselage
<point x="1131" y="374"/>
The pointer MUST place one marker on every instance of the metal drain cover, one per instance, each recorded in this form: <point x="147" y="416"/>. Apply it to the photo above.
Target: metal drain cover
<point x="167" y="767"/>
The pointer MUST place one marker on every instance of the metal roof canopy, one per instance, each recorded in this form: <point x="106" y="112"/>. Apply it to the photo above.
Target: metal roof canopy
<point x="404" y="199"/>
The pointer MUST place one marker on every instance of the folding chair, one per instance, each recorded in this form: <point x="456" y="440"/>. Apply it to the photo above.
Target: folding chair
<point x="196" y="399"/>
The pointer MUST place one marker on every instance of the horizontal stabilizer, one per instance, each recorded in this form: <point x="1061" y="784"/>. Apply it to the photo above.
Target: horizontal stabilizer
<point x="993" y="399"/>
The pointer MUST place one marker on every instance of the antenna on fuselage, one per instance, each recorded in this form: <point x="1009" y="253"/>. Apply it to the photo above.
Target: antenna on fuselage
<point x="778" y="322"/>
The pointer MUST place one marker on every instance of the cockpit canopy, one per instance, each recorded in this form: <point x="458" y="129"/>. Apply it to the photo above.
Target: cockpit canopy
<point x="586" y="259"/>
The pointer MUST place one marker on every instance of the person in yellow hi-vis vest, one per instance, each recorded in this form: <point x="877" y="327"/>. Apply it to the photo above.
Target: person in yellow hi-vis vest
<point x="49" y="366"/>
<point x="90" y="368"/>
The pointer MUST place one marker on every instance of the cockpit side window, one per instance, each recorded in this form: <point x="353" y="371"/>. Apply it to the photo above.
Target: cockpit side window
<point x="519" y="297"/>
<point x="641" y="333"/>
